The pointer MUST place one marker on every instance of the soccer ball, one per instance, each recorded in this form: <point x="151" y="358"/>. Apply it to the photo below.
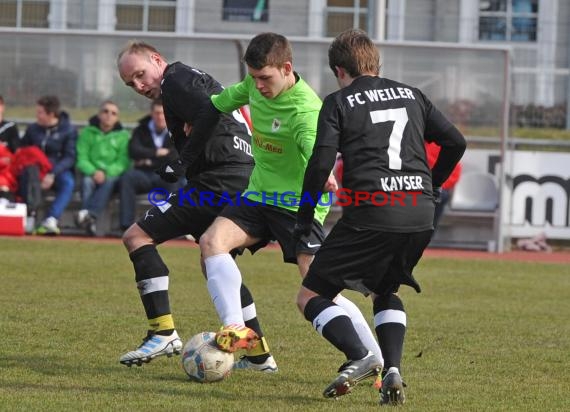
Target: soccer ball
<point x="203" y="361"/>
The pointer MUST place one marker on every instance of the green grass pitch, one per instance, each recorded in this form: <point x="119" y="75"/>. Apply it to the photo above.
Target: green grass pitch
<point x="482" y="336"/>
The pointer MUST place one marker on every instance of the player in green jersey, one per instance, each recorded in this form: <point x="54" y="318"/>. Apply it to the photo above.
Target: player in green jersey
<point x="284" y="112"/>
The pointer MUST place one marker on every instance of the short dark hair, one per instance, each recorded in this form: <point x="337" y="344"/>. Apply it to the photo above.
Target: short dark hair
<point x="268" y="49"/>
<point x="355" y="52"/>
<point x="50" y="104"/>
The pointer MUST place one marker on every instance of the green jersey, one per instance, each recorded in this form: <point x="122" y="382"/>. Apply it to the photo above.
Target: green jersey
<point x="284" y="132"/>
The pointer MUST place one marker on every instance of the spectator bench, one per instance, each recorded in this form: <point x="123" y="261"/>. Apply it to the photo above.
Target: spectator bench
<point x="469" y="220"/>
<point x="107" y="224"/>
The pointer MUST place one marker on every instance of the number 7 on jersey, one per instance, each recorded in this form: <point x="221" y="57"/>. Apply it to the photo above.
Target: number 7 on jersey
<point x="400" y="119"/>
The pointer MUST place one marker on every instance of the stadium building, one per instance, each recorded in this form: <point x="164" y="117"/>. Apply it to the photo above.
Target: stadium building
<point x="536" y="30"/>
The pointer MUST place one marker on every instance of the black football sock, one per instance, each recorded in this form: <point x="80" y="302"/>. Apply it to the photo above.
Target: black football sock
<point x="334" y="324"/>
<point x="251" y="321"/>
<point x="390" y="321"/>
<point x="248" y="309"/>
<point x="151" y="275"/>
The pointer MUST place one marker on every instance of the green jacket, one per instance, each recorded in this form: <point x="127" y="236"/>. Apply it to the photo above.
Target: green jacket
<point x="103" y="151"/>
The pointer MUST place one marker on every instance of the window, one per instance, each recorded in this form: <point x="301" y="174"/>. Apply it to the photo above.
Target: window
<point x="146" y="15"/>
<point x="346" y="14"/>
<point x="508" y="20"/>
<point x="24" y="13"/>
<point x="8" y="13"/>
<point x="246" y="10"/>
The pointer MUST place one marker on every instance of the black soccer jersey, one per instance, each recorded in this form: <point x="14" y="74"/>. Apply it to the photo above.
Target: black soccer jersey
<point x="9" y="135"/>
<point x="379" y="126"/>
<point x="225" y="147"/>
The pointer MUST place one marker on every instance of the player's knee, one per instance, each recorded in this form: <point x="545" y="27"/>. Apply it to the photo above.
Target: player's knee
<point x="211" y="244"/>
<point x="205" y="244"/>
<point x="134" y="237"/>
<point x="303" y="297"/>
<point x="127" y="237"/>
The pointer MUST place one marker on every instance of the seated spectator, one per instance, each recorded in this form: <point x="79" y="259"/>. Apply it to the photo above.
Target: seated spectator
<point x="9" y="143"/>
<point x="150" y="146"/>
<point x="45" y="161"/>
<point x="432" y="152"/>
<point x="102" y="157"/>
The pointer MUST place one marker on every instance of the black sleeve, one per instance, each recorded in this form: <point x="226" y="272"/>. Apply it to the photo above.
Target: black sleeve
<point x="453" y="144"/>
<point x="323" y="158"/>
<point x="209" y="118"/>
<point x="13" y="138"/>
<point x="191" y="103"/>
<point x="448" y="157"/>
<point x="27" y="138"/>
<point x="137" y="150"/>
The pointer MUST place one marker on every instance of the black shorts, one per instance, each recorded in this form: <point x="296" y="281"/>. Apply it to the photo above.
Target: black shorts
<point x="182" y="214"/>
<point x="269" y="223"/>
<point x="365" y="260"/>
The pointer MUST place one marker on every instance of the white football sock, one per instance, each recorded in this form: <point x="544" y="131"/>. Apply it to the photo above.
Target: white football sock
<point x="249" y="312"/>
<point x="362" y="328"/>
<point x="224" y="283"/>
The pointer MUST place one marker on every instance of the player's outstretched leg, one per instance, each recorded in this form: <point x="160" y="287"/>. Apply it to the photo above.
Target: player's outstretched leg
<point x="390" y="321"/>
<point x="360" y="325"/>
<point x="334" y="324"/>
<point x="224" y="284"/>
<point x="258" y="358"/>
<point x="151" y="275"/>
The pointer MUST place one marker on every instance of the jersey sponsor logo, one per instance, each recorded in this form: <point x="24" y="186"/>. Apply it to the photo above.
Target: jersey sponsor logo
<point x="267" y="146"/>
<point x="275" y="125"/>
<point x="312" y="245"/>
<point x="242" y="145"/>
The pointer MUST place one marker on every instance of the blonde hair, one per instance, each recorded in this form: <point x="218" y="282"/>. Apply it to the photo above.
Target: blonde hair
<point x="137" y="47"/>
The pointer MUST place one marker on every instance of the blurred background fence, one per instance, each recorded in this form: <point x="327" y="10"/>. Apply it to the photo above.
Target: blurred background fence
<point x="537" y="31"/>
<point x="469" y="83"/>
